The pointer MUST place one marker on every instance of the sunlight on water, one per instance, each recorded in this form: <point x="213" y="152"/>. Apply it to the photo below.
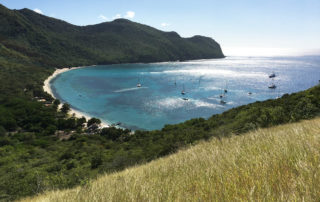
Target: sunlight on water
<point x="111" y="93"/>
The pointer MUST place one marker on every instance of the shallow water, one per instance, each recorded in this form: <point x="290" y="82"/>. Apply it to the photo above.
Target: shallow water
<point x="110" y="92"/>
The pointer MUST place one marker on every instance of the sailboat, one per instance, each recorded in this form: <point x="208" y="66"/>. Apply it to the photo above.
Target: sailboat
<point x="139" y="84"/>
<point x="272" y="75"/>
<point x="222" y="101"/>
<point x="272" y="85"/>
<point x="226" y="88"/>
<point x="223" y="93"/>
<point x="183" y="91"/>
<point x="221" y="98"/>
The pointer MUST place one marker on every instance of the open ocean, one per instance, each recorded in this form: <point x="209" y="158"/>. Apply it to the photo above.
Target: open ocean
<point x="110" y="92"/>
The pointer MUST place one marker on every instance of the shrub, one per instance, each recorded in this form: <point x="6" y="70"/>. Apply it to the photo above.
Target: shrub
<point x="2" y="131"/>
<point x="93" y="121"/>
<point x="65" y="108"/>
<point x="96" y="161"/>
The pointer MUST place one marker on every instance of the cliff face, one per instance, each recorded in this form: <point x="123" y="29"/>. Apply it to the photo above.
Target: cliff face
<point x="52" y="42"/>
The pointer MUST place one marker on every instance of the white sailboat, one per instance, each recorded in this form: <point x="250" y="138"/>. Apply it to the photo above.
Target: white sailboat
<point x="139" y="84"/>
<point x="223" y="95"/>
<point x="226" y="88"/>
<point x="183" y="92"/>
<point x="272" y="85"/>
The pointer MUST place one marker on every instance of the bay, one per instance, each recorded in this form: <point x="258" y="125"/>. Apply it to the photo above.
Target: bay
<point x="110" y="92"/>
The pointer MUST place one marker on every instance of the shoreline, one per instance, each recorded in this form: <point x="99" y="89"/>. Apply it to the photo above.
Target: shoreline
<point x="73" y="112"/>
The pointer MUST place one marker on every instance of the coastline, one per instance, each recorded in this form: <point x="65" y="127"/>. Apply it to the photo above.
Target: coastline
<point x="73" y="112"/>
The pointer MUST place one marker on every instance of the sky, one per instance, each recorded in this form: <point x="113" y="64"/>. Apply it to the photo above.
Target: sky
<point x="242" y="27"/>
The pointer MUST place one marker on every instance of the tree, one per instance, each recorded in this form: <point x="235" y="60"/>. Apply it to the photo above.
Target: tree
<point x="2" y="131"/>
<point x="56" y="103"/>
<point x="65" y="108"/>
<point x="96" y="161"/>
<point x="50" y="130"/>
<point x="81" y="121"/>
<point x="111" y="133"/>
<point x="93" y="121"/>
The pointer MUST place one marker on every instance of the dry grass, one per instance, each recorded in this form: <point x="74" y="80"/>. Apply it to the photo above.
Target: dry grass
<point x="276" y="164"/>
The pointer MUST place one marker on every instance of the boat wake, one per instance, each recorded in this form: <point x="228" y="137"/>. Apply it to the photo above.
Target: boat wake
<point x="128" y="89"/>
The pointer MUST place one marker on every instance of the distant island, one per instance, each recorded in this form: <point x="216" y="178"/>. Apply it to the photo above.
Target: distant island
<point x="36" y="38"/>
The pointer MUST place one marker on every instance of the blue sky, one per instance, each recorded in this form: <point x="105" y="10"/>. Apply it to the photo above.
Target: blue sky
<point x="242" y="27"/>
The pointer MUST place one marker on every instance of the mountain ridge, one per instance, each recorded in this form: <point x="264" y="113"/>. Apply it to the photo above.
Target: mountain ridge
<point x="53" y="42"/>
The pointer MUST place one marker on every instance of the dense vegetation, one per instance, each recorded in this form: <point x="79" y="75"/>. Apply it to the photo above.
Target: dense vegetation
<point x="42" y="148"/>
<point x="55" y="43"/>
<point x="34" y="160"/>
<point x="274" y="164"/>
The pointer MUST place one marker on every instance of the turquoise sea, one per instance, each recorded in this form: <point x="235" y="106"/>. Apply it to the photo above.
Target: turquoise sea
<point x="110" y="92"/>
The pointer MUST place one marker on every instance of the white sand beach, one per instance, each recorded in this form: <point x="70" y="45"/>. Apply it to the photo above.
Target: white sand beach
<point x="72" y="112"/>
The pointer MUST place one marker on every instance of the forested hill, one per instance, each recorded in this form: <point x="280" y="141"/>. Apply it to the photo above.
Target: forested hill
<point x="51" y="42"/>
<point x="43" y="148"/>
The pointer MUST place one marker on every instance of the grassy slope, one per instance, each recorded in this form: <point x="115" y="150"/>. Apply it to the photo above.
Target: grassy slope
<point x="279" y="163"/>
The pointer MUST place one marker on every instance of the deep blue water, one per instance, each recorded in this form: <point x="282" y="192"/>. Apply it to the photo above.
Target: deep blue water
<point x="110" y="92"/>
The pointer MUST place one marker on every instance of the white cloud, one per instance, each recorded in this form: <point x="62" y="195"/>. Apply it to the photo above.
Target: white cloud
<point x="37" y="10"/>
<point x="164" y="24"/>
<point x="102" y="17"/>
<point x="116" y="16"/>
<point x="130" y="14"/>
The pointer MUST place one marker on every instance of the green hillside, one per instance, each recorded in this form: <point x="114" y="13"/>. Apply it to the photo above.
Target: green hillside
<point x="51" y="42"/>
<point x="42" y="148"/>
<point x="275" y="164"/>
<point x="34" y="159"/>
